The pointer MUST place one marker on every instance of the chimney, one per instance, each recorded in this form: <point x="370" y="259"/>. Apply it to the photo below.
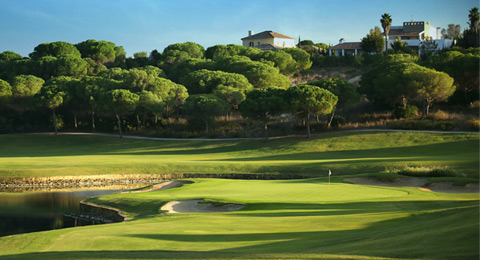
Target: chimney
<point x="250" y="33"/>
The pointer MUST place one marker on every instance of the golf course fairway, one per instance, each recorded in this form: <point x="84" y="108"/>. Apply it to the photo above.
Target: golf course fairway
<point x="315" y="218"/>
<point x="280" y="219"/>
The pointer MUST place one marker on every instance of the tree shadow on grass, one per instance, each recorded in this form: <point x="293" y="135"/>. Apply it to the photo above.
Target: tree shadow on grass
<point x="44" y="146"/>
<point x="378" y="154"/>
<point x="397" y="237"/>
<point x="451" y="233"/>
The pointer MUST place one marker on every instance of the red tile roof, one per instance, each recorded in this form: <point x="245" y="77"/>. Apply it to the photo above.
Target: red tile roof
<point x="267" y="34"/>
<point x="347" y="46"/>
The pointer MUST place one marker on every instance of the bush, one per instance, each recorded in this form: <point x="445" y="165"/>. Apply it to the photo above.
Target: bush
<point x="230" y="129"/>
<point x="337" y="121"/>
<point x="405" y="112"/>
<point x="363" y="118"/>
<point x="336" y="61"/>
<point x="474" y="125"/>
<point x="444" y="125"/>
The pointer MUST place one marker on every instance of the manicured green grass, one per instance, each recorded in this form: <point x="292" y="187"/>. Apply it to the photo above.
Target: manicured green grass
<point x="288" y="219"/>
<point x="344" y="152"/>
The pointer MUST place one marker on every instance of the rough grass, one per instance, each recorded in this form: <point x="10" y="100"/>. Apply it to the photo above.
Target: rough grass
<point x="290" y="219"/>
<point x="343" y="152"/>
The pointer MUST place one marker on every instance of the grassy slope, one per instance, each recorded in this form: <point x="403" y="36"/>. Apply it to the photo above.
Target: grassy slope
<point x="281" y="220"/>
<point x="343" y="152"/>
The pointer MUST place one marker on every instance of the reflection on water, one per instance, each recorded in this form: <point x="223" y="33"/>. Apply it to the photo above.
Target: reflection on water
<point x="38" y="211"/>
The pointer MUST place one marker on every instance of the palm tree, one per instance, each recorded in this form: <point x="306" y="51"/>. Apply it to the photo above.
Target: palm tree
<point x="474" y="17"/>
<point x="386" y="21"/>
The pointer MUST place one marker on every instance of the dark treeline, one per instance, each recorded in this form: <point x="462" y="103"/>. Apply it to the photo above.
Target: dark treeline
<point x="92" y="86"/>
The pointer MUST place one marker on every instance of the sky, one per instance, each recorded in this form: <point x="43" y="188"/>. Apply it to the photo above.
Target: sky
<point x="145" y="25"/>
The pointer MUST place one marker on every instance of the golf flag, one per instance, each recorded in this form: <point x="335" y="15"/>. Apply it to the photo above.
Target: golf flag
<point x="329" y="172"/>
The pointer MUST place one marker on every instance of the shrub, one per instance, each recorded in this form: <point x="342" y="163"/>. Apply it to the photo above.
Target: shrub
<point x="230" y="129"/>
<point x="405" y="112"/>
<point x="337" y="121"/>
<point x="474" y="125"/>
<point x="444" y="125"/>
<point x="364" y="117"/>
<point x="475" y="105"/>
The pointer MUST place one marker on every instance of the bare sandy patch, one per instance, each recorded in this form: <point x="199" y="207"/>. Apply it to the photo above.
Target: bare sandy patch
<point x="445" y="187"/>
<point x="162" y="186"/>
<point x="194" y="206"/>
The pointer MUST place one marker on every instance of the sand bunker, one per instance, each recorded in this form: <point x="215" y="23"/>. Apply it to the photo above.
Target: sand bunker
<point x="400" y="182"/>
<point x="193" y="206"/>
<point x="162" y="186"/>
<point x="445" y="187"/>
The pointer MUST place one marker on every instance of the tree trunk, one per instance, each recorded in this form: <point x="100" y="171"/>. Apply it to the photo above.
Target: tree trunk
<point x="119" y="125"/>
<point x="423" y="110"/>
<point x="143" y="125"/>
<point x="308" y="125"/>
<point x="93" y="120"/>
<point x="139" y="123"/>
<point x="55" y="121"/>
<point x="331" y="118"/>
<point x="266" y="130"/>
<point x="386" y="43"/>
<point x="167" y="111"/>
<point x="155" y="119"/>
<point x="206" y="125"/>
<point x="75" y="120"/>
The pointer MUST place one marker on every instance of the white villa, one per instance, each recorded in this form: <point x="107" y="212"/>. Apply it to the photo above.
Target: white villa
<point x="411" y="33"/>
<point x="268" y="40"/>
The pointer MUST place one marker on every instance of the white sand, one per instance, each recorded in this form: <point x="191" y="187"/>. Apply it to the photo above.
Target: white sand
<point x="445" y="187"/>
<point x="193" y="206"/>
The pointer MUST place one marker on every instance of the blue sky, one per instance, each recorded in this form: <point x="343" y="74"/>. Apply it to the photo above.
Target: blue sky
<point x="145" y="25"/>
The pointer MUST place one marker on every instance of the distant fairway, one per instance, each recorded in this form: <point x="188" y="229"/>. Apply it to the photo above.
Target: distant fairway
<point x="345" y="153"/>
<point x="281" y="219"/>
<point x="291" y="219"/>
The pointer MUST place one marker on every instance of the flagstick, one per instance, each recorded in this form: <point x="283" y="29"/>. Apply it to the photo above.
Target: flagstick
<point x="329" y="174"/>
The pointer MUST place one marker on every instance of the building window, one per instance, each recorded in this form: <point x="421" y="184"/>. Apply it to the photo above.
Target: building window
<point x="258" y="43"/>
<point x="250" y="44"/>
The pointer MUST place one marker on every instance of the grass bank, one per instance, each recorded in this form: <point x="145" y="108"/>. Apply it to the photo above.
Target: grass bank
<point x="25" y="155"/>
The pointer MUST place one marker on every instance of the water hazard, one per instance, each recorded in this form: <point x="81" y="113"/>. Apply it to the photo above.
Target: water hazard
<point x="44" y="210"/>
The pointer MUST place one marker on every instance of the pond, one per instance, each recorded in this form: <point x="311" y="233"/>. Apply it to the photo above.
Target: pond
<point x="23" y="212"/>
